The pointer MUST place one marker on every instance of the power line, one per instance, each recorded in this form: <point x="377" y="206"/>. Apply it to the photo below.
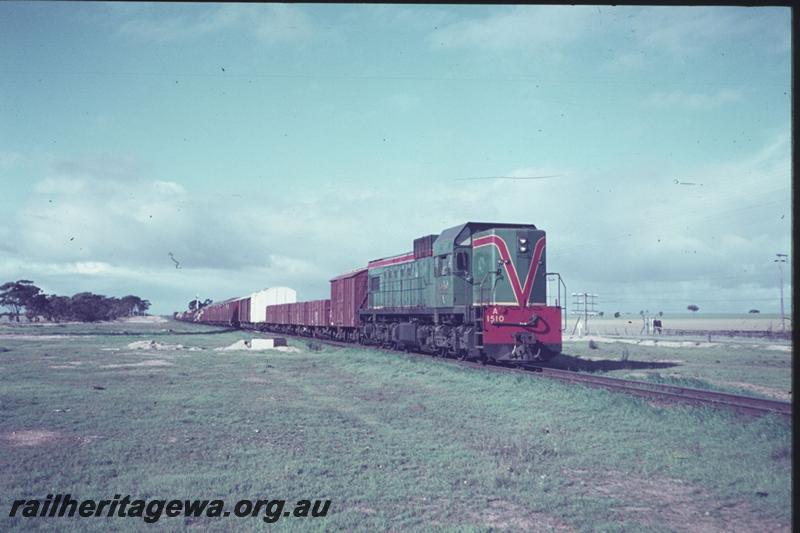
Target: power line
<point x="499" y="78"/>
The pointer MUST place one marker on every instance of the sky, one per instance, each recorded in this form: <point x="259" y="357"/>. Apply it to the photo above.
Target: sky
<point x="174" y="150"/>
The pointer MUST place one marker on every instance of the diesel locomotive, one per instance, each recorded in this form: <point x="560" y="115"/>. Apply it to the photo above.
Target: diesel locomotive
<point x="474" y="291"/>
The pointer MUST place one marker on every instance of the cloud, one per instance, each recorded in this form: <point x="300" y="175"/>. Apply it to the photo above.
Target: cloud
<point x="9" y="159"/>
<point x="528" y="27"/>
<point x="627" y="61"/>
<point x="282" y="23"/>
<point x="270" y="23"/>
<point x="614" y="232"/>
<point x="683" y="31"/>
<point x="677" y="32"/>
<point x="694" y="101"/>
<point x="124" y="168"/>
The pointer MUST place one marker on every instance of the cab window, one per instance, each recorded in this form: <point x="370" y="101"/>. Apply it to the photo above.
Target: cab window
<point x="443" y="266"/>
<point x="462" y="262"/>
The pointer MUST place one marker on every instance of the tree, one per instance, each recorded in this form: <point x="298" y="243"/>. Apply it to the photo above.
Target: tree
<point x="754" y="311"/>
<point x="130" y="304"/>
<point x="601" y="313"/>
<point x="17" y="295"/>
<point x="661" y="313"/>
<point x="89" y="307"/>
<point x="693" y="308"/>
<point x="84" y="306"/>
<point x="142" y="307"/>
<point x="58" y="308"/>
<point x="616" y="314"/>
<point x="37" y="306"/>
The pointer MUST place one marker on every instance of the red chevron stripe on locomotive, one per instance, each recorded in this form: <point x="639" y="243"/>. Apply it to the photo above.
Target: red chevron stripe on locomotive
<point x="521" y="293"/>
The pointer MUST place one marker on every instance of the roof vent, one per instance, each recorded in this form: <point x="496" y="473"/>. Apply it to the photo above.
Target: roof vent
<point x="423" y="247"/>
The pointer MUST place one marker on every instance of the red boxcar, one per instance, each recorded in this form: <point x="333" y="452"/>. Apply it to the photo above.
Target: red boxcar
<point x="318" y="313"/>
<point x="296" y="313"/>
<point x="226" y="312"/>
<point x="281" y="313"/>
<point x="244" y="310"/>
<point x="348" y="295"/>
<point x="275" y="314"/>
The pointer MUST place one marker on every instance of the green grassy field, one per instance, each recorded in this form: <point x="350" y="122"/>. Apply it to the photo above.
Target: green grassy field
<point x="396" y="442"/>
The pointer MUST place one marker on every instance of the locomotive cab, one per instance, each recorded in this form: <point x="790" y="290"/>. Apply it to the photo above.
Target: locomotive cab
<point x="510" y="294"/>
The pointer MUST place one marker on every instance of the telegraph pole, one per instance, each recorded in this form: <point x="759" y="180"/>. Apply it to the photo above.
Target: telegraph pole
<point x="587" y="302"/>
<point x="781" y="258"/>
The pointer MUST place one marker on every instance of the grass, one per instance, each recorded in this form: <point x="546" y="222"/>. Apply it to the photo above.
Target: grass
<point x="397" y="442"/>
<point x="737" y="367"/>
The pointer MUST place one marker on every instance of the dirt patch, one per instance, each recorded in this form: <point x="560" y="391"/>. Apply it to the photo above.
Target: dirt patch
<point x="643" y="342"/>
<point x="157" y="346"/>
<point x="779" y="347"/>
<point x="24" y="438"/>
<point x="246" y="346"/>
<point x="492" y="514"/>
<point x="148" y="362"/>
<point x="69" y="364"/>
<point x="29" y="437"/>
<point x="255" y="380"/>
<point x="145" y="320"/>
<point x="503" y="514"/>
<point x="670" y="502"/>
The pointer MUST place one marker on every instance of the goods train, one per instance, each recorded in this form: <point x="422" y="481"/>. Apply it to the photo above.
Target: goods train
<point x="475" y="291"/>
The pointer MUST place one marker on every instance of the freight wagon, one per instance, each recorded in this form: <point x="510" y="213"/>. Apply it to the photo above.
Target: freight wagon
<point x="253" y="308"/>
<point x="225" y="313"/>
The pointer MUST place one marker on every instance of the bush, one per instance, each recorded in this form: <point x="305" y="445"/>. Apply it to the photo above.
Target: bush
<point x="314" y="346"/>
<point x="593" y="345"/>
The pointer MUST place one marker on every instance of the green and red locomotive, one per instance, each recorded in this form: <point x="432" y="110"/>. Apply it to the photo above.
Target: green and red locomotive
<point x="478" y="290"/>
<point x="475" y="291"/>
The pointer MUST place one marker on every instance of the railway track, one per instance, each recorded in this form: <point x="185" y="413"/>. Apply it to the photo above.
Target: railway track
<point x="743" y="404"/>
<point x="747" y="405"/>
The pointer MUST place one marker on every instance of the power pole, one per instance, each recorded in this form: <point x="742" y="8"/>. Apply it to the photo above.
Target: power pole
<point x="781" y="258"/>
<point x="584" y="304"/>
